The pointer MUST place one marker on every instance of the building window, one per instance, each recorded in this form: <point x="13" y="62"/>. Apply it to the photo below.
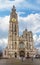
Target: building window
<point x="21" y="45"/>
<point x="12" y="45"/>
<point x="15" y="28"/>
<point x="27" y="45"/>
<point x="30" y="39"/>
<point x="15" y="45"/>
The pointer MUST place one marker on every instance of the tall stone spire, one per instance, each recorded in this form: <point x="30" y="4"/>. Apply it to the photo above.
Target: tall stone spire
<point x="13" y="9"/>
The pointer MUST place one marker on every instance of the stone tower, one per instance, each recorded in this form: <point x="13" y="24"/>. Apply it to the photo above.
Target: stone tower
<point x="13" y="32"/>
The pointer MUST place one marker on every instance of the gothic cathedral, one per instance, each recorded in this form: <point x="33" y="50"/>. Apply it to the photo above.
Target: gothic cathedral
<point x="18" y="46"/>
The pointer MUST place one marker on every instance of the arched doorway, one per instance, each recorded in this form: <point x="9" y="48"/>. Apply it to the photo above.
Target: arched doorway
<point x="27" y="54"/>
<point x="22" y="53"/>
<point x="15" y="55"/>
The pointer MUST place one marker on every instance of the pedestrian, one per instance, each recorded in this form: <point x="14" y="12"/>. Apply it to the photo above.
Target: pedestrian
<point x="22" y="59"/>
<point x="32" y="58"/>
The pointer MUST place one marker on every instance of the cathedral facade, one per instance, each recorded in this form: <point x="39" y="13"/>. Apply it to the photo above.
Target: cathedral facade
<point x="18" y="46"/>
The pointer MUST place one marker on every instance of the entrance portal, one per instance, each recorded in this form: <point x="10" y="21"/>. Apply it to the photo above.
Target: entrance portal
<point x="22" y="53"/>
<point x="27" y="54"/>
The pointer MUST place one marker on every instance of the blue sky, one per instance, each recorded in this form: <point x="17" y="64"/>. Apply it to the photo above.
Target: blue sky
<point x="28" y="15"/>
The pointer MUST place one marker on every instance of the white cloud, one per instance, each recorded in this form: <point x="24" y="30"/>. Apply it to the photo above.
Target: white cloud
<point x="7" y="4"/>
<point x="37" y="40"/>
<point x="31" y="22"/>
<point x="35" y="37"/>
<point x="3" y="43"/>
<point x="4" y="23"/>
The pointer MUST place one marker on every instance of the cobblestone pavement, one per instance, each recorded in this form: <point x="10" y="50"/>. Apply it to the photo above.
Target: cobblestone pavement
<point x="19" y="62"/>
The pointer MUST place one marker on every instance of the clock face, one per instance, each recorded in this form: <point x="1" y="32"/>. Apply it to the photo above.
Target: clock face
<point x="13" y="20"/>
